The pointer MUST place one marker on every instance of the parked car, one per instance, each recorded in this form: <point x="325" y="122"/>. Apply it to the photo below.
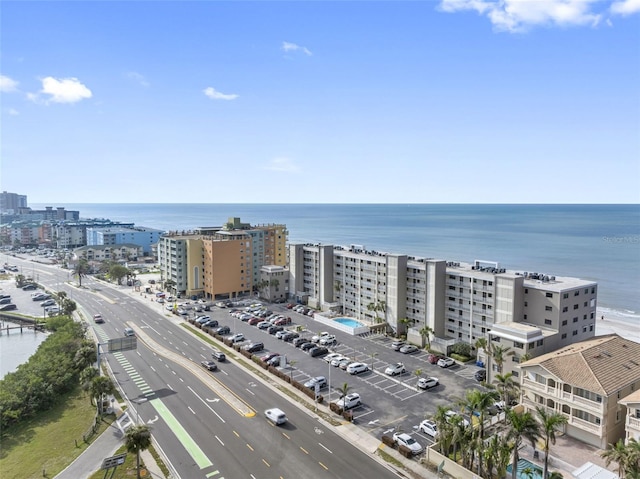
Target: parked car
<point x="321" y="381"/>
<point x="29" y="287"/>
<point x="5" y="300"/>
<point x="279" y="300"/>
<point x="429" y="428"/>
<point x="335" y="362"/>
<point x="307" y="346"/>
<point x="210" y="365"/>
<point x="327" y="340"/>
<point x="434" y="358"/>
<point x="254" y="347"/>
<point x="396" y="345"/>
<point x="48" y="302"/>
<point x="331" y="356"/>
<point x="403" y="439"/>
<point x="97" y="318"/>
<point x="349" y="401"/>
<point x="254" y="321"/>
<point x="357" y="368"/>
<point x="274" y="329"/>
<point x="395" y="369"/>
<point x="276" y="416"/>
<point x="290" y="336"/>
<point x="408" y="349"/>
<point x="480" y="375"/>
<point x="282" y="321"/>
<point x="237" y="338"/>
<point x="452" y="414"/>
<point x="445" y="362"/>
<point x="344" y="363"/>
<point x="264" y="325"/>
<point x="289" y="306"/>
<point x="275" y="362"/>
<point x="8" y="307"/>
<point x="426" y="383"/>
<point x="318" y="351"/>
<point x="297" y="342"/>
<point x="222" y="330"/>
<point x="317" y="337"/>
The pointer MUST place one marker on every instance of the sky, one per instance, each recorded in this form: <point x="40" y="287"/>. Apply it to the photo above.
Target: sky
<point x="444" y="101"/>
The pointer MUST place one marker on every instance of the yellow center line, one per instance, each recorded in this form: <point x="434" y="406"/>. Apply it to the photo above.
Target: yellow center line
<point x="303" y="450"/>
<point x="268" y="465"/>
<point x="249" y="447"/>
<point x="323" y="466"/>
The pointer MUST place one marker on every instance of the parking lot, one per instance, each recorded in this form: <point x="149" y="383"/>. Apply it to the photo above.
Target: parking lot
<point x="389" y="403"/>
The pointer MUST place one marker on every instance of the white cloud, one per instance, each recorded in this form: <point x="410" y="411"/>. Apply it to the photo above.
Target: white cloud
<point x="522" y="15"/>
<point x="13" y="112"/>
<point x="137" y="77"/>
<point x="282" y="164"/>
<point x="625" y="7"/>
<point x="292" y="47"/>
<point x="7" y="84"/>
<point x="216" y="95"/>
<point x="64" y="90"/>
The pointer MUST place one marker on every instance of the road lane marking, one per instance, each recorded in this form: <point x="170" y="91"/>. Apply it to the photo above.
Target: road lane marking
<point x="249" y="446"/>
<point x="285" y="435"/>
<point x="183" y="436"/>
<point x="219" y="440"/>
<point x="268" y="465"/>
<point x="236" y="433"/>
<point x="205" y="403"/>
<point x="304" y="450"/>
<point x="192" y="411"/>
<point x="326" y="468"/>
<point x="326" y="449"/>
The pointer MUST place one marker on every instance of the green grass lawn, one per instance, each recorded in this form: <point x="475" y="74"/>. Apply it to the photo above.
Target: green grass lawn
<point x="44" y="446"/>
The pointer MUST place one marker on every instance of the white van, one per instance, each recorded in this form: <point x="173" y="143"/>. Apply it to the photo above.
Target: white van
<point x="276" y="416"/>
<point x="129" y="332"/>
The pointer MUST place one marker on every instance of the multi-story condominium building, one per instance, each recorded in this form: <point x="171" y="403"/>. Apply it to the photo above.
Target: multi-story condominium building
<point x="221" y="262"/>
<point x="115" y="235"/>
<point x="632" y="424"/>
<point x="586" y="382"/>
<point x="121" y="252"/>
<point x="274" y="283"/>
<point x="458" y="302"/>
<point x="73" y="234"/>
<point x="10" y="203"/>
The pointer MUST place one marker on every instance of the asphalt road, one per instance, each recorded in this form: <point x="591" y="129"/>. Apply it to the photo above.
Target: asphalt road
<point x="208" y="424"/>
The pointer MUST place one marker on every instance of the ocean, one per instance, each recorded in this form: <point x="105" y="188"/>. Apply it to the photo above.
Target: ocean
<point x="592" y="242"/>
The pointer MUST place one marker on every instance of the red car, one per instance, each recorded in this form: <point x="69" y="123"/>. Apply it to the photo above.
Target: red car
<point x="254" y="321"/>
<point x="289" y="306"/>
<point x="282" y="321"/>
<point x="434" y="358"/>
<point x="268" y="357"/>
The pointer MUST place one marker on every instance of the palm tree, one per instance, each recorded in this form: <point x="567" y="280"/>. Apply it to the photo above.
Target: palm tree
<point x="81" y="270"/>
<point x="506" y="387"/>
<point x="499" y="355"/>
<point x="549" y="422"/>
<point x="523" y="426"/>
<point x="617" y="453"/>
<point x="85" y="356"/>
<point x="344" y="390"/>
<point x="484" y="344"/>
<point x="101" y="385"/>
<point x="405" y="322"/>
<point x="444" y="429"/>
<point x="375" y="307"/>
<point x="417" y="373"/>
<point x="138" y="439"/>
<point x="426" y="332"/>
<point x="480" y="401"/>
<point x="86" y="378"/>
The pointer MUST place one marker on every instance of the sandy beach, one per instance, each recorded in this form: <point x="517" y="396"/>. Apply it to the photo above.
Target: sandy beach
<point x="627" y="328"/>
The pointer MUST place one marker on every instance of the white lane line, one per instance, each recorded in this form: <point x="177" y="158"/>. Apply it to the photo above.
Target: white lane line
<point x="205" y="403"/>
<point x="189" y="407"/>
<point x="250" y="392"/>
<point x="323" y="447"/>
<point x="219" y="440"/>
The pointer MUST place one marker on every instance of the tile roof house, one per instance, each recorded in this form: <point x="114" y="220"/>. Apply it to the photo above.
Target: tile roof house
<point x="585" y="381"/>
<point x="632" y="403"/>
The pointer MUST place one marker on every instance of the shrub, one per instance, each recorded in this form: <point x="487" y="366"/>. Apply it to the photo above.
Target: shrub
<point x="462" y="349"/>
<point x="405" y="451"/>
<point x="458" y="357"/>
<point x="388" y="441"/>
<point x="348" y="415"/>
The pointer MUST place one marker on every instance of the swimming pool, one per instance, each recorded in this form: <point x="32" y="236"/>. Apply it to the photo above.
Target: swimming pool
<point x="352" y="323"/>
<point x="526" y="470"/>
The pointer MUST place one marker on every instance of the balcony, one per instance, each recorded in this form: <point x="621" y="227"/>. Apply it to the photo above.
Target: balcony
<point x="586" y="425"/>
<point x="633" y="423"/>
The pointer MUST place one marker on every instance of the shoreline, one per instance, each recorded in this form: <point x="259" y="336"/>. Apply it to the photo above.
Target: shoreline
<point x="628" y="328"/>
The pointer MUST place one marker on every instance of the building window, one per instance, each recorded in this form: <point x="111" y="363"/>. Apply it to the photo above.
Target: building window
<point x="576" y="293"/>
<point x="548" y="321"/>
<point x="549" y="295"/>
<point x="565" y="309"/>
<point x="548" y="308"/>
<point x="564" y="323"/>
<point x="564" y="336"/>
<point x="565" y="295"/>
<point x="575" y="332"/>
<point x="575" y="320"/>
<point x="518" y="345"/>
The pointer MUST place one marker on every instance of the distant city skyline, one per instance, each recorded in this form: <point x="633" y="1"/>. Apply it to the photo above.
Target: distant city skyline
<point x="450" y="101"/>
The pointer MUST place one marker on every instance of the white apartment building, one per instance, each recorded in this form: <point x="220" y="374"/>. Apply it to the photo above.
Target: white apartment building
<point x="460" y="302"/>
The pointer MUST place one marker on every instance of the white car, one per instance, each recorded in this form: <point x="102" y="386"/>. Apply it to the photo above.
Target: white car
<point x="237" y="338"/>
<point x="403" y="439"/>
<point x="316" y="338"/>
<point x="349" y="401"/>
<point x="331" y="356"/>
<point x="445" y="362"/>
<point x="327" y="340"/>
<point x="336" y="361"/>
<point x="276" y="416"/>
<point x="429" y="428"/>
<point x="451" y="414"/>
<point x="357" y="368"/>
<point x="426" y="383"/>
<point x="395" y="369"/>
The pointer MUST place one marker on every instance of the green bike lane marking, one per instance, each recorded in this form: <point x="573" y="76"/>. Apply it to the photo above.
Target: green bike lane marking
<point x="183" y="436"/>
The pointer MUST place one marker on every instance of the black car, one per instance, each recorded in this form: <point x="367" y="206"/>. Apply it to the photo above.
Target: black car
<point x="8" y="307"/>
<point x="210" y="365"/>
<point x="297" y="342"/>
<point x="318" y="351"/>
<point x="254" y="347"/>
<point x="290" y="336"/>
<point x="307" y="346"/>
<point x="222" y="330"/>
<point x="29" y="287"/>
<point x="274" y="329"/>
<point x="480" y="375"/>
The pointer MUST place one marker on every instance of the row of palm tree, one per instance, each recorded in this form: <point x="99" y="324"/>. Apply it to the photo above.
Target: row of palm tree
<point x="490" y="456"/>
<point x="627" y="456"/>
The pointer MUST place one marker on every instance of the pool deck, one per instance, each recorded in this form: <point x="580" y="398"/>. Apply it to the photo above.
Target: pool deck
<point x="339" y="326"/>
